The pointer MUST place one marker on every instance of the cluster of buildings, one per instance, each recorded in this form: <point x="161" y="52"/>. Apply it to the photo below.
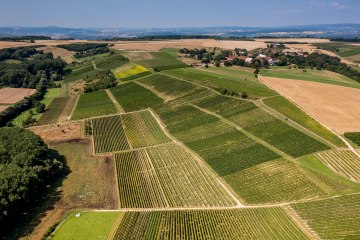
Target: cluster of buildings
<point x="249" y="59"/>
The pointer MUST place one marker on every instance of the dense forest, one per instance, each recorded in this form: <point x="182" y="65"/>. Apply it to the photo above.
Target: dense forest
<point x="357" y="39"/>
<point x="26" y="167"/>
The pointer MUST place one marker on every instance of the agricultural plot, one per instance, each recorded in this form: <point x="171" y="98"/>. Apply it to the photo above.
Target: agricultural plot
<point x="94" y="104"/>
<point x="111" y="62"/>
<point x="167" y="176"/>
<point x="131" y="73"/>
<point x="133" y="97"/>
<point x="344" y="162"/>
<point x="291" y="111"/>
<point x="161" y="61"/>
<point x="142" y="129"/>
<point x="80" y="72"/>
<point x="109" y="135"/>
<point x="217" y="81"/>
<point x="138" y="183"/>
<point x="53" y="111"/>
<point x="334" y="218"/>
<point x="268" y="223"/>
<point x="13" y="95"/>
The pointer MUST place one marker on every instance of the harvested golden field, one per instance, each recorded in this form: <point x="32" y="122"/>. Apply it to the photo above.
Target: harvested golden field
<point x="3" y="107"/>
<point x="332" y="105"/>
<point x="189" y="43"/>
<point x="59" y="52"/>
<point x="13" y="95"/>
<point x="343" y="60"/>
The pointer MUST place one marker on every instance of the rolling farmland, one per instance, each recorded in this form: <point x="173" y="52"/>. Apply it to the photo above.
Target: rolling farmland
<point x="161" y="61"/>
<point x="272" y="223"/>
<point x="59" y="109"/>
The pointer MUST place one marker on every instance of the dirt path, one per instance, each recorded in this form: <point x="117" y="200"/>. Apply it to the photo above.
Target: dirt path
<point x="160" y="95"/>
<point x="94" y="64"/>
<point x="116" y="103"/>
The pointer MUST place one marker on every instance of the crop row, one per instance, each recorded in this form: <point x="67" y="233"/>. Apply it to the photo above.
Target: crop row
<point x="53" y="111"/>
<point x="344" y="162"/>
<point x="142" y="129"/>
<point x="109" y="135"/>
<point x="138" y="183"/>
<point x="161" y="61"/>
<point x="334" y="218"/>
<point x="268" y="128"/>
<point x="266" y="223"/>
<point x="167" y="175"/>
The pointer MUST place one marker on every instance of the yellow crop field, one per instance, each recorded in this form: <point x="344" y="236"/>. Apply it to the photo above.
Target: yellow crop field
<point x="130" y="72"/>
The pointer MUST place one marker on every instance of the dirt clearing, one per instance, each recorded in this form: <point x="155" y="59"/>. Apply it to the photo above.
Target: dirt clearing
<point x="3" y="107"/>
<point x="59" y="52"/>
<point x="58" y="132"/>
<point x="13" y="95"/>
<point x="333" y="106"/>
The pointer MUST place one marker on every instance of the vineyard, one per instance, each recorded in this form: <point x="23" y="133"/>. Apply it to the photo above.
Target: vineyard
<point x="109" y="135"/>
<point x="133" y="97"/>
<point x="93" y="104"/>
<point x="161" y="61"/>
<point x="53" y="111"/>
<point x="266" y="127"/>
<point x="334" y="218"/>
<point x="166" y="176"/>
<point x="142" y="129"/>
<point x="343" y="162"/>
<point x="267" y="223"/>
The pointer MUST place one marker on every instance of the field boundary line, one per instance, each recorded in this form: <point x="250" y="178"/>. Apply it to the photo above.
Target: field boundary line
<point x="246" y="133"/>
<point x="115" y="102"/>
<point x="117" y="182"/>
<point x="346" y="143"/>
<point x="157" y="177"/>
<point x="126" y="136"/>
<point x="74" y="107"/>
<point x="301" y="223"/>
<point x="260" y="104"/>
<point x="199" y="160"/>
<point x="115" y="227"/>
<point x="162" y="96"/>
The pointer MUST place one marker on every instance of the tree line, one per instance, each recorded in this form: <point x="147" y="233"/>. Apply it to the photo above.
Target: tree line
<point x="356" y="39"/>
<point x="30" y="38"/>
<point x="100" y="80"/>
<point x="86" y="49"/>
<point x="177" y="37"/>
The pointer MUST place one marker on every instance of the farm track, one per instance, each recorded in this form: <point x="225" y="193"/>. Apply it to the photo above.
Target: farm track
<point x="162" y="96"/>
<point x="116" y="103"/>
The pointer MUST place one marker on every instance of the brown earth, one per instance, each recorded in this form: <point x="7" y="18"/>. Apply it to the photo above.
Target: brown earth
<point x="3" y="107"/>
<point x="332" y="105"/>
<point x="58" y="132"/>
<point x="13" y="95"/>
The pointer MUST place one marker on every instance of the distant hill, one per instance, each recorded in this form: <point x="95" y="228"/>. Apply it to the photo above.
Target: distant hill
<point x="324" y="30"/>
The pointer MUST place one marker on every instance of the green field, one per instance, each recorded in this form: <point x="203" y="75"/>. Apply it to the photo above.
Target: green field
<point x="80" y="72"/>
<point x="320" y="76"/>
<point x="242" y="83"/>
<point x="335" y="218"/>
<point x="50" y="94"/>
<point x="344" y="49"/>
<point x="133" y="97"/>
<point x="267" y="223"/>
<point x="93" y="104"/>
<point x="161" y="61"/>
<point x="90" y="225"/>
<point x="291" y="111"/>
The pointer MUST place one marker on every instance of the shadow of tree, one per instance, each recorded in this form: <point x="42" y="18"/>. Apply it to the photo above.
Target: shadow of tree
<point x="23" y="224"/>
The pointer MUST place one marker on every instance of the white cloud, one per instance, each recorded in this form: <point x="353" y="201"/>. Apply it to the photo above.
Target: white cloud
<point x="326" y="4"/>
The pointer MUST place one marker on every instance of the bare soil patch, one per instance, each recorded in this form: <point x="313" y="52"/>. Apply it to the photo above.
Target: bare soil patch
<point x="332" y="105"/>
<point x="13" y="95"/>
<point x="65" y="115"/>
<point x="58" y="132"/>
<point x="3" y="107"/>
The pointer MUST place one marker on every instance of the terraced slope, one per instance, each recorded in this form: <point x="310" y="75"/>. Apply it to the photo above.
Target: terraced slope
<point x="167" y="176"/>
<point x="344" y="162"/>
<point x="334" y="218"/>
<point x="270" y="223"/>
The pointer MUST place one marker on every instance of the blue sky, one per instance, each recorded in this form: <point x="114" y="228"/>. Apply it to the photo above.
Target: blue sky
<point x="176" y="13"/>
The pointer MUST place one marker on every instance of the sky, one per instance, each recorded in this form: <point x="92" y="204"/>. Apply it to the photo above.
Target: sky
<point x="176" y="13"/>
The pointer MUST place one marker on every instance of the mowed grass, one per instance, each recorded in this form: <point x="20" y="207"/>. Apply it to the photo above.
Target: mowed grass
<point x="266" y="223"/>
<point x="93" y="104"/>
<point x="321" y="76"/>
<point x="294" y="113"/>
<point x="133" y="97"/>
<point x="90" y="225"/>
<point x="161" y="61"/>
<point x="131" y="73"/>
<point x="335" y="218"/>
<point x="50" y="94"/>
<point x="217" y="80"/>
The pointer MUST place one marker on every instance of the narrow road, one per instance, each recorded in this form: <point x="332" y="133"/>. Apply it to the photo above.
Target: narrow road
<point x="116" y="103"/>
